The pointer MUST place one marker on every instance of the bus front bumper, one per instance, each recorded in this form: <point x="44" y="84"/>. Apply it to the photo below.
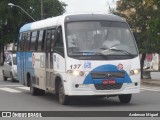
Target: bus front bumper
<point x="91" y="90"/>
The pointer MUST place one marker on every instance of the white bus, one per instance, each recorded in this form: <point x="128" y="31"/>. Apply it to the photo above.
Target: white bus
<point x="79" y="55"/>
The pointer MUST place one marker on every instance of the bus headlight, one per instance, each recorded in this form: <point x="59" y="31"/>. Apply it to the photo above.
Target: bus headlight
<point x="75" y="72"/>
<point x="134" y="72"/>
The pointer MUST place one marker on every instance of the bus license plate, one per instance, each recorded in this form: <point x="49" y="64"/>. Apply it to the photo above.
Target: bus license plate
<point x="105" y="82"/>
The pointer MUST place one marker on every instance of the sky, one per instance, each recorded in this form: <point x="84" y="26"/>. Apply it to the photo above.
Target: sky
<point x="89" y="6"/>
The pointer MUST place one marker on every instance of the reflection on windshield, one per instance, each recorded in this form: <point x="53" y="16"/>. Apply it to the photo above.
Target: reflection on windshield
<point x="105" y="51"/>
<point x="86" y="38"/>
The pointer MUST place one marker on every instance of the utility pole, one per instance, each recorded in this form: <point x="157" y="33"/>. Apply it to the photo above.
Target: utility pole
<point x="42" y="14"/>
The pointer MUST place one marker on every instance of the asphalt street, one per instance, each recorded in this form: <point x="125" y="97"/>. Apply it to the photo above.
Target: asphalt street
<point x="16" y="97"/>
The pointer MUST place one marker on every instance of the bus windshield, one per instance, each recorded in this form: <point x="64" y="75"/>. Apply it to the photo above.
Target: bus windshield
<point x="99" y="38"/>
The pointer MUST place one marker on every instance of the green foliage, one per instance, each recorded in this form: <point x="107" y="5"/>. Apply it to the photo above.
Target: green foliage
<point x="12" y="18"/>
<point x="142" y="16"/>
<point x="50" y="7"/>
<point x="154" y="30"/>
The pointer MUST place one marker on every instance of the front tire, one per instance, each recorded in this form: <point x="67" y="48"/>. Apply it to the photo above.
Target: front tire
<point x="63" y="99"/>
<point x="36" y="91"/>
<point x="126" y="98"/>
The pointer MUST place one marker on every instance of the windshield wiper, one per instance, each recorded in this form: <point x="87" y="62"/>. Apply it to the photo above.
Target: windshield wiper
<point x="124" y="51"/>
<point x="107" y="51"/>
<point x="102" y="51"/>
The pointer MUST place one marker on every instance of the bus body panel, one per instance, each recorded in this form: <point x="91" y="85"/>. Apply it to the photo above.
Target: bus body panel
<point x="38" y="65"/>
<point x="86" y="83"/>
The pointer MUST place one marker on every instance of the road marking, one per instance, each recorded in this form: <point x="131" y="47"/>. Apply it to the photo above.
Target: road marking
<point x="24" y="88"/>
<point x="150" y="88"/>
<point x="10" y="90"/>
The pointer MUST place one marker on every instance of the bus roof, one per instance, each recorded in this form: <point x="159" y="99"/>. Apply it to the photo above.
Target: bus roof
<point x="59" y="20"/>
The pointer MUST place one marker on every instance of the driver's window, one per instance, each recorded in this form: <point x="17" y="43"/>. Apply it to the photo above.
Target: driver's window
<point x="58" y="45"/>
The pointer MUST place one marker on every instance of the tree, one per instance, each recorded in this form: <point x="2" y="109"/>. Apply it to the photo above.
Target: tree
<point x="138" y="13"/>
<point x="12" y="18"/>
<point x="50" y="8"/>
<point x="154" y="31"/>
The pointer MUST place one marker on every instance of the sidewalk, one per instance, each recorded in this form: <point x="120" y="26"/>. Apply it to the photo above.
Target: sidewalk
<point x="151" y="78"/>
<point x="150" y="82"/>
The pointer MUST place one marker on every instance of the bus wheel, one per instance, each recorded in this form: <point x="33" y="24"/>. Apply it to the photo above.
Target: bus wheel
<point x="36" y="91"/>
<point x="63" y="99"/>
<point x="126" y="98"/>
<point x="33" y="90"/>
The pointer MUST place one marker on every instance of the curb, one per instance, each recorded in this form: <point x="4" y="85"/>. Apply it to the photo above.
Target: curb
<point x="151" y="82"/>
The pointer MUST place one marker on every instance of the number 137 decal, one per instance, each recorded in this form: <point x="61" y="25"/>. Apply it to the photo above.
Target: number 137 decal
<point x="75" y="66"/>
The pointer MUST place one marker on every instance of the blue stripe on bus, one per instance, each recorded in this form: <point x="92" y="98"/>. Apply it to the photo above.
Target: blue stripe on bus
<point x="105" y="68"/>
<point x="18" y="66"/>
<point x="26" y="27"/>
<point x="24" y="66"/>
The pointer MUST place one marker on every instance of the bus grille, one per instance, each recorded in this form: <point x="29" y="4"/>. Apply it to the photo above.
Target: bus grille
<point x="107" y="75"/>
<point x="108" y="86"/>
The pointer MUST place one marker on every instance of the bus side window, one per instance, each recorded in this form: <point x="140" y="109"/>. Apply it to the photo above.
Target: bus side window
<point x="52" y="40"/>
<point x="58" y="42"/>
<point x="27" y="43"/>
<point x="33" y="41"/>
<point x="19" y="41"/>
<point x="40" y="40"/>
<point x="25" y="36"/>
<point x="22" y="43"/>
<point x="48" y="40"/>
<point x="43" y="40"/>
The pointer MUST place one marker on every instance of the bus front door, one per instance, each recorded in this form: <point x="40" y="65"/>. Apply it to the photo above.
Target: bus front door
<point x="49" y="60"/>
<point x="49" y="71"/>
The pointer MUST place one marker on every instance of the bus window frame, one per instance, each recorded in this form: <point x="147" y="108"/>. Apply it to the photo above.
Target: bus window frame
<point x="22" y="41"/>
<point x="28" y="40"/>
<point x="58" y="29"/>
<point x="40" y="42"/>
<point x="19" y="41"/>
<point x="31" y="41"/>
<point x="47" y="39"/>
